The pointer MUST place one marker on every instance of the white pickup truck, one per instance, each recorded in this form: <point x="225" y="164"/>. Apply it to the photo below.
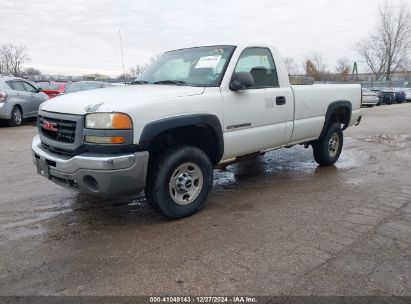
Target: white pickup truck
<point x="192" y="110"/>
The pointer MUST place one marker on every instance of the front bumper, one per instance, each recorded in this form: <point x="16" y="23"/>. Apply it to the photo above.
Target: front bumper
<point x="94" y="173"/>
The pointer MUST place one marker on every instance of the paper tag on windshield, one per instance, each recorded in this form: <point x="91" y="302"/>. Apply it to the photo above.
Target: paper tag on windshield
<point x="208" y="62"/>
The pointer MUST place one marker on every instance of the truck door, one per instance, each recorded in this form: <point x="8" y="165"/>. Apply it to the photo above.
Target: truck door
<point x="254" y="118"/>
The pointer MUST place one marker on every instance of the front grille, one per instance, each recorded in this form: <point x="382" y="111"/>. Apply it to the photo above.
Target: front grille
<point x="60" y="130"/>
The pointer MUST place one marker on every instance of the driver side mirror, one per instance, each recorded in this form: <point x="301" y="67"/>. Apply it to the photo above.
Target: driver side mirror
<point x="241" y="81"/>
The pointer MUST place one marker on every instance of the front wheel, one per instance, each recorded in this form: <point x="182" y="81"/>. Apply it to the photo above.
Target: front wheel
<point x="327" y="149"/>
<point x="179" y="181"/>
<point x="16" y="117"/>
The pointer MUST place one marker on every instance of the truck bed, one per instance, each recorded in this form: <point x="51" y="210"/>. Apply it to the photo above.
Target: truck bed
<point x="312" y="101"/>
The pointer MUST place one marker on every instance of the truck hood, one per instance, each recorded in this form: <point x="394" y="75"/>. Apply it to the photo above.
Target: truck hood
<point x="116" y="98"/>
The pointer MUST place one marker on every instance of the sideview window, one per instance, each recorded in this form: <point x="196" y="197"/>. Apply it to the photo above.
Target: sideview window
<point x="16" y="85"/>
<point x="29" y="87"/>
<point x="260" y="64"/>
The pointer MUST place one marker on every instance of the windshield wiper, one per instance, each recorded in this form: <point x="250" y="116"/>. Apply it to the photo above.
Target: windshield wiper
<point x="139" y="82"/>
<point x="176" y="82"/>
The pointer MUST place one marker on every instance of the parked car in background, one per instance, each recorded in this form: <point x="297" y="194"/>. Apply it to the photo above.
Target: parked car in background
<point x="52" y="88"/>
<point x="388" y="95"/>
<point x="19" y="99"/>
<point x="379" y="92"/>
<point x="85" y="86"/>
<point x="407" y="94"/>
<point x="399" y="96"/>
<point x="370" y="98"/>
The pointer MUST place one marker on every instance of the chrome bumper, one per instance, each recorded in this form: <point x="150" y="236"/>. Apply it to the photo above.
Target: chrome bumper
<point x="94" y="173"/>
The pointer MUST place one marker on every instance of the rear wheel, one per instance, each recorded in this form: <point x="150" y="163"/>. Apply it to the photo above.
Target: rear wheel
<point x="16" y="117"/>
<point x="327" y="149"/>
<point x="179" y="181"/>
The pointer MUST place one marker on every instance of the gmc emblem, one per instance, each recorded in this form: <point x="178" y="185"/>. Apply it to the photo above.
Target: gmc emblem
<point x="51" y="126"/>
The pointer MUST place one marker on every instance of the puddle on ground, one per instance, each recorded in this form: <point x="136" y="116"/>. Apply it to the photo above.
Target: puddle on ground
<point x="81" y="211"/>
<point x="400" y="140"/>
<point x="294" y="162"/>
<point x="32" y="225"/>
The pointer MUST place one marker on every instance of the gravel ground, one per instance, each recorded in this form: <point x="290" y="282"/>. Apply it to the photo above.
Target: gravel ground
<point x="277" y="225"/>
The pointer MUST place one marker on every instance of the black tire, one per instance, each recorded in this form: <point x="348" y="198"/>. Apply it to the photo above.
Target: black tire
<point x="325" y="155"/>
<point x="162" y="180"/>
<point x="16" y="117"/>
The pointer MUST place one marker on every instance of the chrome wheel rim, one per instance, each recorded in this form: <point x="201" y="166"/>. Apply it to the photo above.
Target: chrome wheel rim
<point x="186" y="183"/>
<point x="333" y="144"/>
<point x="17" y="116"/>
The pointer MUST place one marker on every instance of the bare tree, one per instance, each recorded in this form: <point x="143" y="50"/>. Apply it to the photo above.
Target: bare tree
<point x="374" y="55"/>
<point x="12" y="59"/>
<point x="318" y="60"/>
<point x="123" y="77"/>
<point x="137" y="70"/>
<point x="342" y="65"/>
<point x="388" y="48"/>
<point x="343" y="68"/>
<point x="291" y="65"/>
<point x="31" y="72"/>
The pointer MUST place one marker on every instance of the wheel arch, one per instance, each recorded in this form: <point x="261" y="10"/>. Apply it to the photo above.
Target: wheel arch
<point x="19" y="106"/>
<point x="208" y="124"/>
<point x="338" y="111"/>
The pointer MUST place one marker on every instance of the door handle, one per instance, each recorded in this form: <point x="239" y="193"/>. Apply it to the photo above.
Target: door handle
<point x="280" y="100"/>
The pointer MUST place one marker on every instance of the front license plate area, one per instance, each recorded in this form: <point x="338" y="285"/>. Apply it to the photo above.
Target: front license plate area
<point x="43" y="168"/>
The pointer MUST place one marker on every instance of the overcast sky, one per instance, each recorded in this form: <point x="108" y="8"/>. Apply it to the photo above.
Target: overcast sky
<point x="78" y="36"/>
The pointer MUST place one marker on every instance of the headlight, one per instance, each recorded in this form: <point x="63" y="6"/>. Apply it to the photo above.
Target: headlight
<point x="108" y="121"/>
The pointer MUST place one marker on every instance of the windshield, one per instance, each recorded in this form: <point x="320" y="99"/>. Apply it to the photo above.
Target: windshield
<point x="201" y="66"/>
<point x="83" y="86"/>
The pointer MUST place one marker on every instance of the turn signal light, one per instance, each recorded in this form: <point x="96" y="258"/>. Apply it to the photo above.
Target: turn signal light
<point x="105" y="139"/>
<point x="121" y="121"/>
<point x="118" y="140"/>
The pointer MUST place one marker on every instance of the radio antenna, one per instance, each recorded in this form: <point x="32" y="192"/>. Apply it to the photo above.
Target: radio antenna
<point x="121" y="49"/>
